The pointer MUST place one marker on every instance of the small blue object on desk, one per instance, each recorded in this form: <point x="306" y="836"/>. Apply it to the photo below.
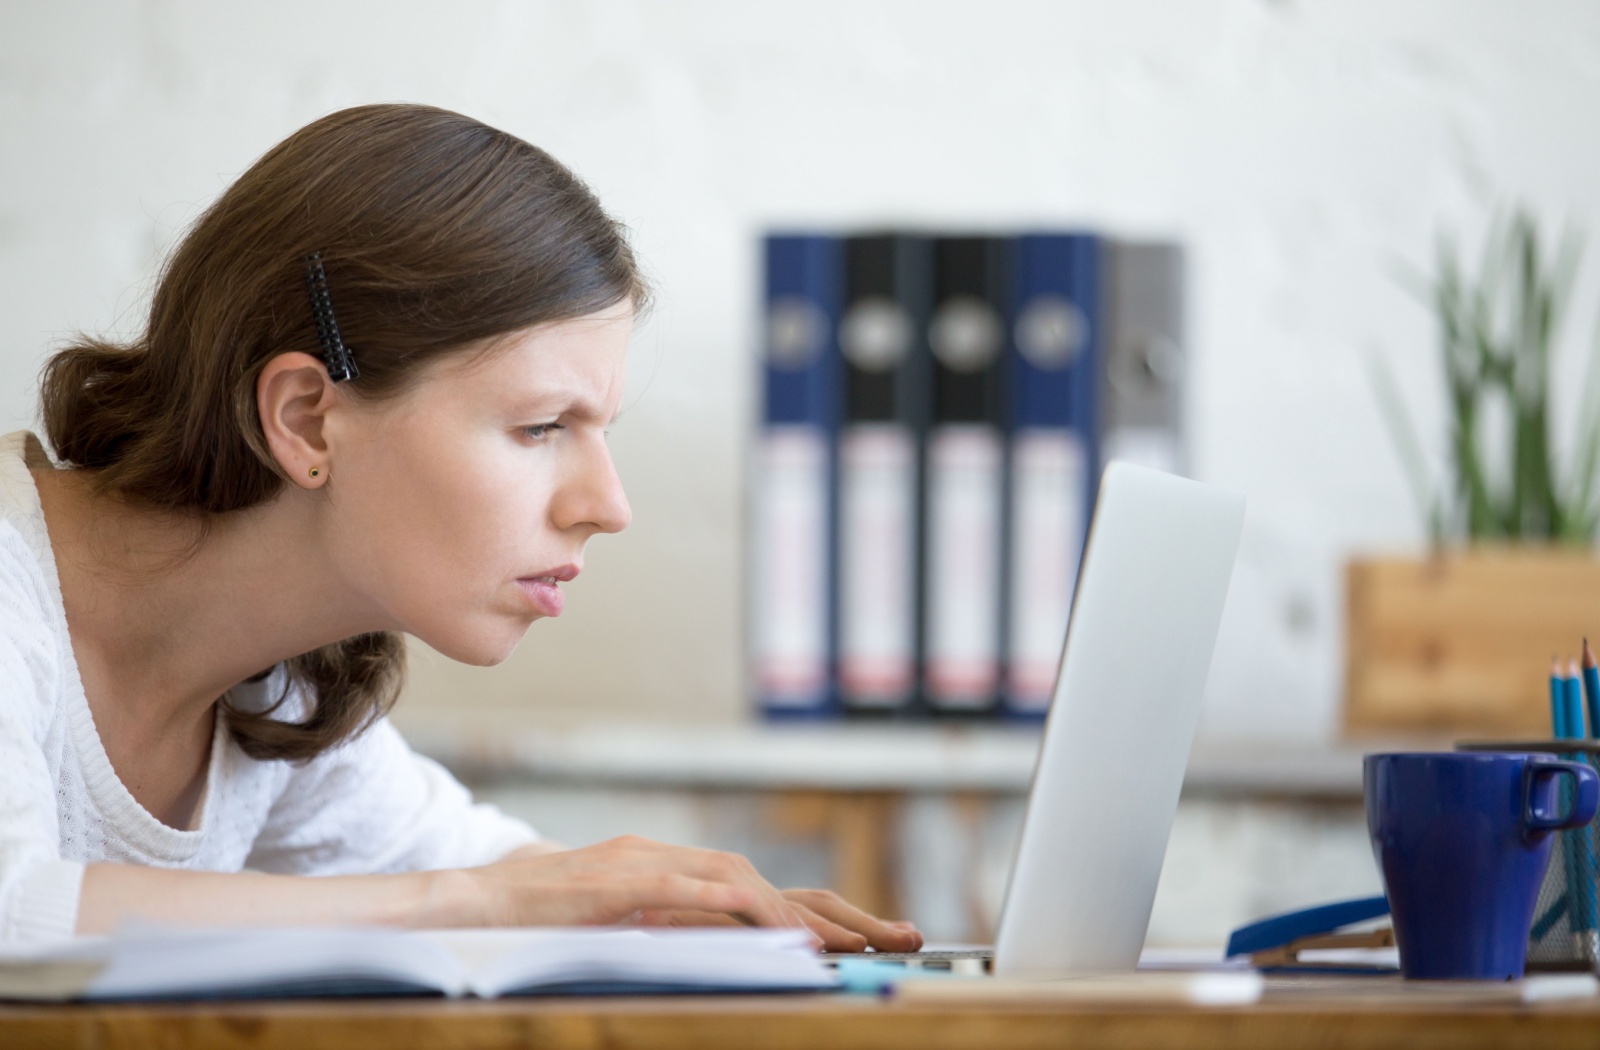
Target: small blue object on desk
<point x="1275" y="931"/>
<point x="871" y="977"/>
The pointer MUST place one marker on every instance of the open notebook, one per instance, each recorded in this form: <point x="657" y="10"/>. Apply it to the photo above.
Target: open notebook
<point x="271" y="963"/>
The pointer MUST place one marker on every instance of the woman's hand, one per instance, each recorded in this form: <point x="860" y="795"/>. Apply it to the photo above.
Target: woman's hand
<point x="837" y="924"/>
<point x="635" y="880"/>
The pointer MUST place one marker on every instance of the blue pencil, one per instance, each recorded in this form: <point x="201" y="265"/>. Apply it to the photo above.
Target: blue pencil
<point x="1591" y="691"/>
<point x="1572" y="707"/>
<point x="1558" y="702"/>
<point x="1580" y="851"/>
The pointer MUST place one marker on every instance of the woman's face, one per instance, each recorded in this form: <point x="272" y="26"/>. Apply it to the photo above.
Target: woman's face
<point x="460" y="507"/>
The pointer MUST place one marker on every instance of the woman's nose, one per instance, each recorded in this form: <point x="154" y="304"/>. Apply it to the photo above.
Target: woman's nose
<point x="592" y="496"/>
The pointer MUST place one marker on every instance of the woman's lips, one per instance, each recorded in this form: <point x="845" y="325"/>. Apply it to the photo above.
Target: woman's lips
<point x="544" y="594"/>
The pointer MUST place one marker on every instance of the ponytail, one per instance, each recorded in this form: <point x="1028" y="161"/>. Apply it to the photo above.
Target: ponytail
<point x="96" y="401"/>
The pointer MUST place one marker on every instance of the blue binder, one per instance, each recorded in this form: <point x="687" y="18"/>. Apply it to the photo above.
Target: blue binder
<point x="1054" y="352"/>
<point x="793" y="532"/>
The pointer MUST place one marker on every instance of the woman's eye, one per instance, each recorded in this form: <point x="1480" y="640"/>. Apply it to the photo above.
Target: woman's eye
<point x="540" y="431"/>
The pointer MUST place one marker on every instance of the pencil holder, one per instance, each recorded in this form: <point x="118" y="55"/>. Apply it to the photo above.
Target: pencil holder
<point x="1566" y="919"/>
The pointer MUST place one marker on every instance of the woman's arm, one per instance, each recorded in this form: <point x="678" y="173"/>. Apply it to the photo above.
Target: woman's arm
<point x="374" y="806"/>
<point x="113" y="893"/>
<point x="623" y="880"/>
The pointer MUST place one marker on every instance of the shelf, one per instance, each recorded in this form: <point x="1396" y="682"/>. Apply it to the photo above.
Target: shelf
<point x="857" y="758"/>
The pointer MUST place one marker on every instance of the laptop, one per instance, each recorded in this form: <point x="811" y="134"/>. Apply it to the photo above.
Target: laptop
<point x="1122" y="720"/>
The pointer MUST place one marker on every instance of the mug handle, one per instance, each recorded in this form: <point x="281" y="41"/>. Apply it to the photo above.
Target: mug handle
<point x="1586" y="797"/>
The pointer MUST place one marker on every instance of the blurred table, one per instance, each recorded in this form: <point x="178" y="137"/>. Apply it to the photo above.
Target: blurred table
<point x="844" y="783"/>
<point x="874" y="757"/>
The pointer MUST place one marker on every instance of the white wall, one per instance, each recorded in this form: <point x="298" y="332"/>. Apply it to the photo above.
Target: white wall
<point x="1301" y="149"/>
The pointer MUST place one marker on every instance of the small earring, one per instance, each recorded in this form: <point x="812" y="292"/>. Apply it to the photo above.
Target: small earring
<point x="315" y="472"/>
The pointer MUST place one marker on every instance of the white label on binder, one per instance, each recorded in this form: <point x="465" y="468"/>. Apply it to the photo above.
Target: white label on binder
<point x="963" y="581"/>
<point x="877" y="548"/>
<point x="791" y="597"/>
<point x="1050" y="486"/>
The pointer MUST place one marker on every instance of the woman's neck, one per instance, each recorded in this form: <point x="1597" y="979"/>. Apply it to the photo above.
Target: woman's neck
<point x="166" y="616"/>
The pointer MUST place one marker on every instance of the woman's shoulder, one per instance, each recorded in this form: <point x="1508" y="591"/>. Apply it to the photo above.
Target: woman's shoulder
<point x="27" y="565"/>
<point x="20" y="508"/>
<point x="30" y="641"/>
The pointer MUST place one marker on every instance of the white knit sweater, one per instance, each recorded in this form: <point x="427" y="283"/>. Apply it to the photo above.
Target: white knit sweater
<point x="370" y="805"/>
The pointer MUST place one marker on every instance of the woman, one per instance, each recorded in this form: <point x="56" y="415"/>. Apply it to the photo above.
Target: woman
<point x="371" y="399"/>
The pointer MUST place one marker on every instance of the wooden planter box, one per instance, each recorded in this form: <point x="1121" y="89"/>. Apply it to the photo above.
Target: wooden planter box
<point x="1460" y="642"/>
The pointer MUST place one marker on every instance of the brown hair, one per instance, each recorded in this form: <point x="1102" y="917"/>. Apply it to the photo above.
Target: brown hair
<point x="437" y="233"/>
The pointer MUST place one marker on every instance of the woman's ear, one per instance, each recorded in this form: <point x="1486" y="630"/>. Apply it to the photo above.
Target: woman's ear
<point x="293" y="396"/>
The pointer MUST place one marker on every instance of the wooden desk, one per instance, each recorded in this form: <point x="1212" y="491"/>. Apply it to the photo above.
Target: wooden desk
<point x="831" y="1022"/>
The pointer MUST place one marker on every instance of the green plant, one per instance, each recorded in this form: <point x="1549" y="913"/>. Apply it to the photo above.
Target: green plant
<point x="1502" y="479"/>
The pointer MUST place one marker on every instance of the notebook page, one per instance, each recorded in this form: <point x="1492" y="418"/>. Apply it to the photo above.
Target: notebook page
<point x="177" y="963"/>
<point x="508" y="961"/>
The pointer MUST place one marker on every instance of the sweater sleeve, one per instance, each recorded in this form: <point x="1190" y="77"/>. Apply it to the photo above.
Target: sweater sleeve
<point x="38" y="889"/>
<point x="372" y="806"/>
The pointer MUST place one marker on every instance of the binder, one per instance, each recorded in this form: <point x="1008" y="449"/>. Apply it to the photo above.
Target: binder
<point x="964" y="455"/>
<point x="1142" y="382"/>
<point x="1054" y="356"/>
<point x="882" y="341"/>
<point x="792" y="549"/>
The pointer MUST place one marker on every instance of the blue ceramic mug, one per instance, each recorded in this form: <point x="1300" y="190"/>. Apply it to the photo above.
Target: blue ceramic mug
<point x="1462" y="840"/>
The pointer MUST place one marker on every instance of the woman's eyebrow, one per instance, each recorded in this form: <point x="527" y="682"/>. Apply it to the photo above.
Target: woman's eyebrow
<point x="565" y="402"/>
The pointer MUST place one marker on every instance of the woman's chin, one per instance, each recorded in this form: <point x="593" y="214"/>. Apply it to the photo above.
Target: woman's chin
<point x="485" y="649"/>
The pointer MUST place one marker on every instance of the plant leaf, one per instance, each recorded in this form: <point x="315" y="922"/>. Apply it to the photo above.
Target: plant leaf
<point x="1413" y="460"/>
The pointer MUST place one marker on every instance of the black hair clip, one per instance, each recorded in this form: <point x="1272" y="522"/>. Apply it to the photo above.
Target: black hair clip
<point x="335" y="354"/>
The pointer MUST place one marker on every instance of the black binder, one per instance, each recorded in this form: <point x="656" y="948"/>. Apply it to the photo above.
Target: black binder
<point x="882" y="340"/>
<point x="964" y="476"/>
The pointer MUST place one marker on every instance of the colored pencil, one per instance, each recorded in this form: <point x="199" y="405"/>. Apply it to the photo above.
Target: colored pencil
<point x="1580" y="850"/>
<point x="1558" y="701"/>
<point x="1591" y="691"/>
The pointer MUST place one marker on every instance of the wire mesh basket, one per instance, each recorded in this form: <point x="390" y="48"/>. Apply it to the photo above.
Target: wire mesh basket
<point x="1566" y="919"/>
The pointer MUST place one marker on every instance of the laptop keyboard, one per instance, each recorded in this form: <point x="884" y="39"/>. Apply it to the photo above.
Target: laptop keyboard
<point x="973" y="960"/>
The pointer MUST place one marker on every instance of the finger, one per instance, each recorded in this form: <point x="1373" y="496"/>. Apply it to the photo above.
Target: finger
<point x="764" y="904"/>
<point x="882" y="935"/>
<point x="769" y="907"/>
<point x="775" y="912"/>
<point x="671" y="891"/>
<point x="664" y="917"/>
<point x="836" y="939"/>
<point x="831" y="936"/>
